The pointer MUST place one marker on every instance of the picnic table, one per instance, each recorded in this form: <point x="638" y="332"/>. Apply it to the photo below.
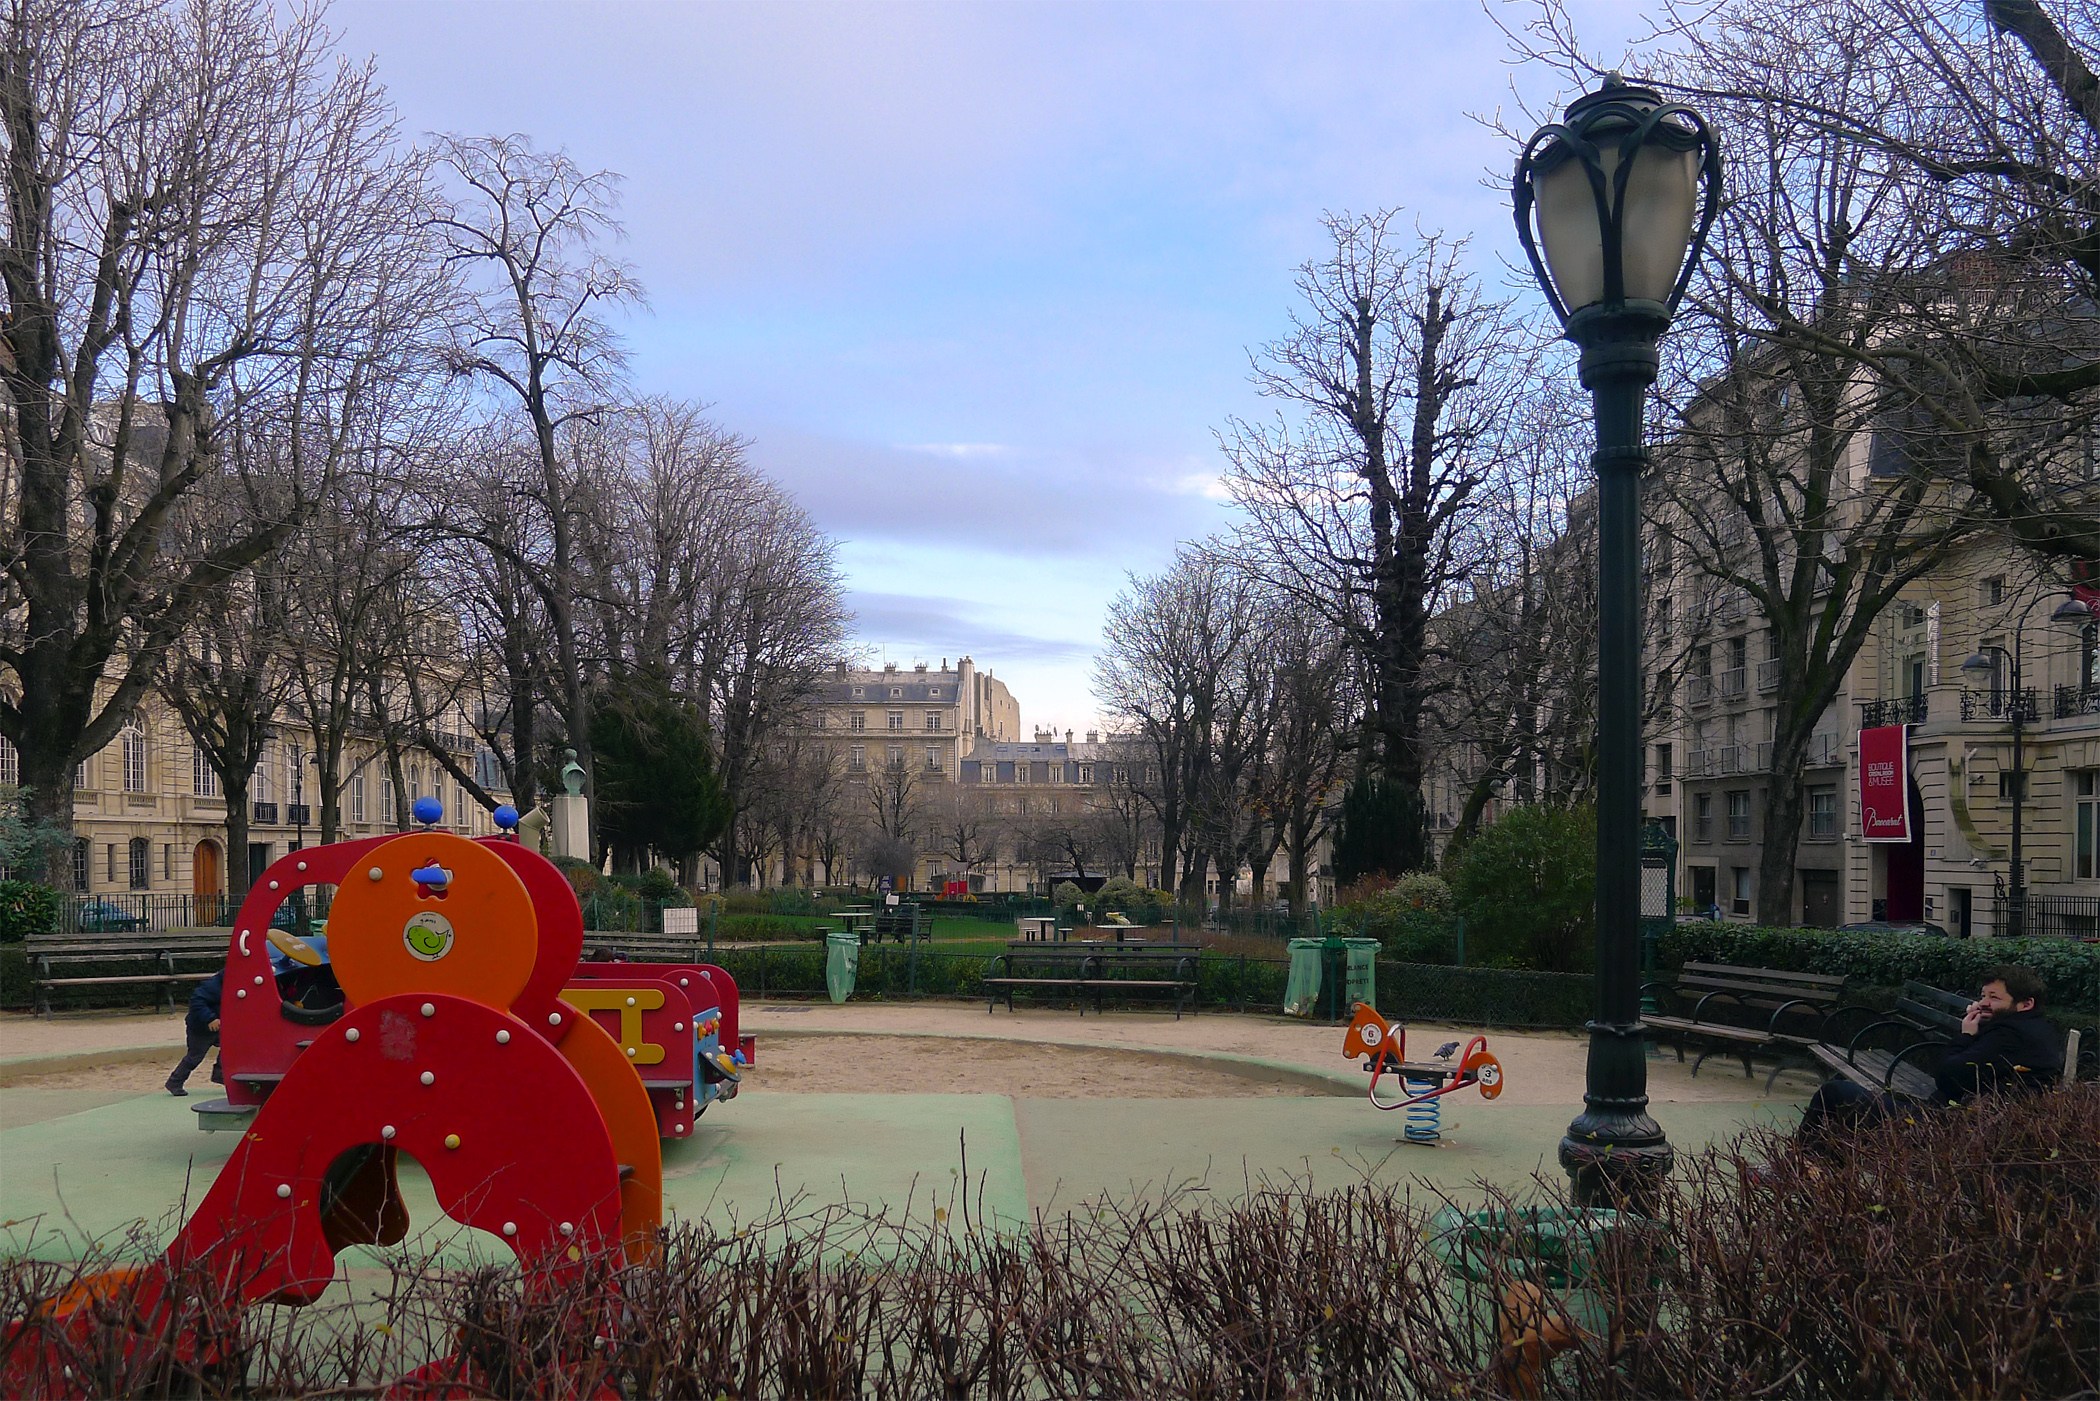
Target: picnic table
<point x="1040" y="928"/>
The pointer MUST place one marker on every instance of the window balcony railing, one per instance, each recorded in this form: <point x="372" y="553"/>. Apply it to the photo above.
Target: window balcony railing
<point x="299" y="814"/>
<point x="2001" y="705"/>
<point x="1900" y="710"/>
<point x="1729" y="682"/>
<point x="1698" y="690"/>
<point x="265" y="813"/>
<point x="2073" y="701"/>
<point x="1698" y="763"/>
<point x="1825" y="750"/>
<point x="1768" y="675"/>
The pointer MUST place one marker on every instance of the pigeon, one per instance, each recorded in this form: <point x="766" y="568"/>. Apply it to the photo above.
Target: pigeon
<point x="1444" y="1051"/>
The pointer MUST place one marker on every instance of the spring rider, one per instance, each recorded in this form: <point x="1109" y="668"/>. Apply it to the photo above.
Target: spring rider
<point x="454" y="1044"/>
<point x="1423" y="1084"/>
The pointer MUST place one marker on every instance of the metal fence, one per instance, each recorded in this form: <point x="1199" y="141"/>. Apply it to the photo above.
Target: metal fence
<point x="2054" y="916"/>
<point x="122" y="912"/>
<point x="1406" y="991"/>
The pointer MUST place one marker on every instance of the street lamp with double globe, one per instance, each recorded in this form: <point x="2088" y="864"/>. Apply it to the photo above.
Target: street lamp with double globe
<point x="1613" y="203"/>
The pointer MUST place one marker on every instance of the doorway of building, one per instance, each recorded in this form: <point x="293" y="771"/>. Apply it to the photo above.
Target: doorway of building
<point x="1959" y="910"/>
<point x="204" y="883"/>
<point x="1819" y="900"/>
<point x="1703" y="888"/>
<point x="1903" y="869"/>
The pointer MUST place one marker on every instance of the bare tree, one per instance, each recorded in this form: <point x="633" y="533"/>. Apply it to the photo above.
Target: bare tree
<point x="960" y="828"/>
<point x="1405" y="374"/>
<point x="526" y="230"/>
<point x="211" y="233"/>
<point x="1167" y="646"/>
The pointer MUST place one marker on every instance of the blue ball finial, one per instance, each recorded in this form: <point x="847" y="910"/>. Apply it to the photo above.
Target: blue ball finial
<point x="428" y="810"/>
<point x="506" y="817"/>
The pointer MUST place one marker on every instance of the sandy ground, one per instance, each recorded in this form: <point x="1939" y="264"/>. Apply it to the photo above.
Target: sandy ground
<point x="946" y="1047"/>
<point x="939" y="1066"/>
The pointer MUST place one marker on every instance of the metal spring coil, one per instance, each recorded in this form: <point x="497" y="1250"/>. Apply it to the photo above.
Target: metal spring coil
<point x="1425" y="1119"/>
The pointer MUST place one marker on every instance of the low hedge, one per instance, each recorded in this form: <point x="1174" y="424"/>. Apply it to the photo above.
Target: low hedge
<point x="27" y="907"/>
<point x="2071" y="969"/>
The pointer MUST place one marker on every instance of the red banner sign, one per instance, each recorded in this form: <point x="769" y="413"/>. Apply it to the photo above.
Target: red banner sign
<point x="1884" y="784"/>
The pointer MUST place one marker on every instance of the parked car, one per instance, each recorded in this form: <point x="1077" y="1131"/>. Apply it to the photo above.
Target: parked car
<point x="1885" y="926"/>
<point x="101" y="916"/>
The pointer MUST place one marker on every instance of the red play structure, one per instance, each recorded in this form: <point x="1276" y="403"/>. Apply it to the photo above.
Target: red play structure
<point x="533" y="1089"/>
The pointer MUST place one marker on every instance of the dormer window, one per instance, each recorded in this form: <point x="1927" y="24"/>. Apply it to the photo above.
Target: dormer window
<point x="896" y="692"/>
<point x="859" y="691"/>
<point x="933" y="691"/>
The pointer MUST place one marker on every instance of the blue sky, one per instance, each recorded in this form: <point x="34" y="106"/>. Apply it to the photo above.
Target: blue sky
<point x="981" y="280"/>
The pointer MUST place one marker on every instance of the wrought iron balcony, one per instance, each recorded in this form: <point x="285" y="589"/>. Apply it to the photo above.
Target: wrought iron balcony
<point x="299" y="814"/>
<point x="1899" y="710"/>
<point x="265" y="813"/>
<point x="1768" y="674"/>
<point x="1729" y="682"/>
<point x="2073" y="701"/>
<point x="2001" y="705"/>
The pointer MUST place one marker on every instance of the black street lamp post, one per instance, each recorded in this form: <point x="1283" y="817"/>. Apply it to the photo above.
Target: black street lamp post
<point x="1623" y="190"/>
<point x="1982" y="665"/>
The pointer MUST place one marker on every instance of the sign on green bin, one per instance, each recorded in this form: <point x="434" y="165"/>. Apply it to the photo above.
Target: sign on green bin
<point x="1363" y="973"/>
<point x="841" y="962"/>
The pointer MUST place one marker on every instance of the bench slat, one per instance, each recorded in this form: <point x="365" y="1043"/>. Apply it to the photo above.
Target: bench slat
<point x="1729" y="969"/>
<point x="139" y="978"/>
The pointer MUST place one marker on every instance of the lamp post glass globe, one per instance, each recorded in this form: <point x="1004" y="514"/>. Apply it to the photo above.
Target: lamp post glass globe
<point x="2072" y="611"/>
<point x="1979" y="665"/>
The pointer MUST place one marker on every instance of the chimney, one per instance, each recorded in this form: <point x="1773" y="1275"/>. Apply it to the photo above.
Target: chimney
<point x="1093" y="736"/>
<point x="920" y="667"/>
<point x="839" y="667"/>
<point x="1068" y="736"/>
<point x="889" y="666"/>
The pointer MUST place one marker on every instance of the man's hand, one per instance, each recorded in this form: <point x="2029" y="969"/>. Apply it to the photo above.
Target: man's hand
<point x="1973" y="1018"/>
<point x="215" y="1024"/>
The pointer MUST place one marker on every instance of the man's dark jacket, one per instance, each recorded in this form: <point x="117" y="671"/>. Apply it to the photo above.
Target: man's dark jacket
<point x="2013" y="1050"/>
<point x="204" y="1004"/>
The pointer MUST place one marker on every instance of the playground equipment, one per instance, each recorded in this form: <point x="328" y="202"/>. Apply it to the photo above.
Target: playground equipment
<point x="467" y="1036"/>
<point x="1423" y="1084"/>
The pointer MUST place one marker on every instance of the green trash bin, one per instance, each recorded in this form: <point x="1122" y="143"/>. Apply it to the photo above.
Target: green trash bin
<point x="1554" y="1247"/>
<point x="1303" y="990"/>
<point x="841" y="962"/>
<point x="1362" y="980"/>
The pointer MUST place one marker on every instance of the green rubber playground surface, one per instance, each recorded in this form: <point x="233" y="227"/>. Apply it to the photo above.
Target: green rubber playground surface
<point x="78" y="1166"/>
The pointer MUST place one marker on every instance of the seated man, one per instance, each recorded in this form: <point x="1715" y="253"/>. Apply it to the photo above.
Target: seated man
<point x="2005" y="1044"/>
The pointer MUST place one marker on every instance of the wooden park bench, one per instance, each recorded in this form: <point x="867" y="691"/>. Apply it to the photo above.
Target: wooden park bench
<point x="1081" y="968"/>
<point x="156" y="954"/>
<point x="903" y="923"/>
<point x="1720" y="1008"/>
<point x="1926" y="1018"/>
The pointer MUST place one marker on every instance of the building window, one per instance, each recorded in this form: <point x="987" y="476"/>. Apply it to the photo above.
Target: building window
<point x="204" y="780"/>
<point x="934" y="692"/>
<point x="1020" y="770"/>
<point x="933" y="760"/>
<point x="1739" y="813"/>
<point x="80" y="776"/>
<point x="1741" y="903"/>
<point x="357" y="797"/>
<point x="167" y="862"/>
<point x="858" y="692"/>
<point x="141" y="863"/>
<point x="1703" y="817"/>
<point x="857" y="758"/>
<point x="295" y="768"/>
<point x="896" y="693"/>
<point x="415" y="783"/>
<point x="823" y="720"/>
<point x="857" y="721"/>
<point x="1663" y="761"/>
<point x="2010" y="784"/>
<point x="109" y="863"/>
<point x="1823" y="812"/>
<point x="459" y="805"/>
<point x="259" y="784"/>
<point x="2088" y="857"/>
<point x="1994" y="591"/>
<point x="933" y="719"/>
<point x="1086" y="773"/>
<point x="80" y="863"/>
<point x="895" y="756"/>
<point x="896" y="719"/>
<point x="10" y="765"/>
<point x="386" y="799"/>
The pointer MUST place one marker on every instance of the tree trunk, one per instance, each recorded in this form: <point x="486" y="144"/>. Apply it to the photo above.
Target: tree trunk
<point x="238" y="876"/>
